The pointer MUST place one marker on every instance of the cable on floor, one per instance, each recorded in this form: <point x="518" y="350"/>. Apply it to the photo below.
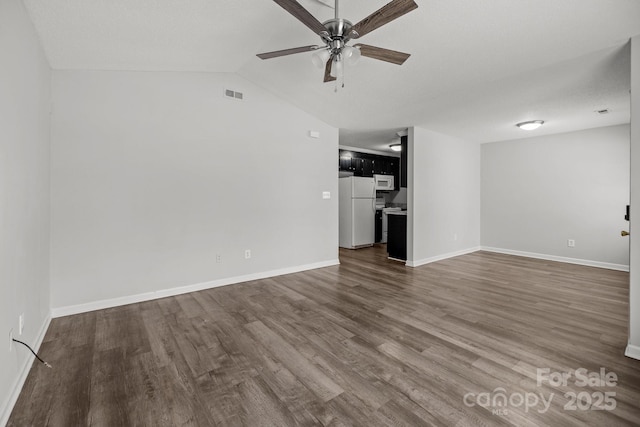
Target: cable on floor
<point x="34" y="353"/>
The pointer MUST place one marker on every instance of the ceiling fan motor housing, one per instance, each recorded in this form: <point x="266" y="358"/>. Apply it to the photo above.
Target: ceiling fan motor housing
<point x="339" y="33"/>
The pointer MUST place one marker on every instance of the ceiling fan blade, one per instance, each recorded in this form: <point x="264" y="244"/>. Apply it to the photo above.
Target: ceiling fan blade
<point x="302" y="14"/>
<point x="327" y="71"/>
<point x="276" y="53"/>
<point x="382" y="16"/>
<point x="382" y="54"/>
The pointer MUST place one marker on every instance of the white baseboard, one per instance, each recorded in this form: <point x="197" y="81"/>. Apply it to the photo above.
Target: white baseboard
<point x="148" y="296"/>
<point x="586" y="262"/>
<point x="424" y="261"/>
<point x="7" y="407"/>
<point x="632" y="351"/>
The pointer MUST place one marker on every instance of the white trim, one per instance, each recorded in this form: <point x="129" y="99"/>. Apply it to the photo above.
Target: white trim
<point x="148" y="296"/>
<point x="589" y="263"/>
<point x="8" y="405"/>
<point x="632" y="351"/>
<point x="441" y="257"/>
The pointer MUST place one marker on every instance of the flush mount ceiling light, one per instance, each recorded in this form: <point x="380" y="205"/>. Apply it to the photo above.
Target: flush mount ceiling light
<point x="396" y="147"/>
<point x="530" y="125"/>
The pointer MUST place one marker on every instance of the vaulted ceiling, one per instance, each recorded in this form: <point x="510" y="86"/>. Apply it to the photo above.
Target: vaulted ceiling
<point x="477" y="67"/>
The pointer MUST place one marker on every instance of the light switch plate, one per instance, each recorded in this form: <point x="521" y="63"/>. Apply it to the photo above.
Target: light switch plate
<point x="326" y="194"/>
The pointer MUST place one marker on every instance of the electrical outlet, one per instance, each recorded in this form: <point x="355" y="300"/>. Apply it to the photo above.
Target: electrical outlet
<point x="218" y="258"/>
<point x="21" y="324"/>
<point x="571" y="243"/>
<point x="247" y="254"/>
<point x="10" y="340"/>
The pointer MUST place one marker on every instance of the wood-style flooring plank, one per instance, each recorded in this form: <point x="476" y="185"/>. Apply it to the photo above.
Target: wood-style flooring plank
<point x="317" y="381"/>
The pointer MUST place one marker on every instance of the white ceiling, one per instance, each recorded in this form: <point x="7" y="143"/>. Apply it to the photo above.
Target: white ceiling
<point x="477" y="66"/>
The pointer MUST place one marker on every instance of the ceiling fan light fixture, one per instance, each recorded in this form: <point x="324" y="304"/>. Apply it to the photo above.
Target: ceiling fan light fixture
<point x="320" y="57"/>
<point x="530" y="125"/>
<point x="351" y="54"/>
<point x="396" y="147"/>
<point x="336" y="67"/>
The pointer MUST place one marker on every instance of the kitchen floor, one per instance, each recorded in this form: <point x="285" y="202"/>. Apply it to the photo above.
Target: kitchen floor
<point x="374" y="255"/>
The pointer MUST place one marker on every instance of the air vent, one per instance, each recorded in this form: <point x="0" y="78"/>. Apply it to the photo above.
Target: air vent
<point x="603" y="111"/>
<point x="230" y="94"/>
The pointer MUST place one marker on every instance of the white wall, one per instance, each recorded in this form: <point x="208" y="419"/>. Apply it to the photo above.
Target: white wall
<point x="443" y="196"/>
<point x="539" y="192"/>
<point x="153" y="174"/>
<point x="633" y="348"/>
<point x="399" y="196"/>
<point x="24" y="195"/>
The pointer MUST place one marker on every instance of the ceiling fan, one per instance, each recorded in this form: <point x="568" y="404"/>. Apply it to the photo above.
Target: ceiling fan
<point x="336" y="33"/>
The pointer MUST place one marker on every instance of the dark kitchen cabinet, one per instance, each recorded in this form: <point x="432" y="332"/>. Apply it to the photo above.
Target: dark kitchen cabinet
<point x="363" y="167"/>
<point x="365" y="164"/>
<point x="378" y="165"/>
<point x="367" y="167"/>
<point x="390" y="166"/>
<point x="345" y="163"/>
<point x="356" y="163"/>
<point x="397" y="237"/>
<point x="383" y="165"/>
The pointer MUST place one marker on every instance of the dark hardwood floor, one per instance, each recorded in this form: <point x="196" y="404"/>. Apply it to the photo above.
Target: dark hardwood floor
<point x="369" y="342"/>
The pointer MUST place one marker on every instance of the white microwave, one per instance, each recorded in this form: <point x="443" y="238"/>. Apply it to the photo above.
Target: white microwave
<point x="384" y="182"/>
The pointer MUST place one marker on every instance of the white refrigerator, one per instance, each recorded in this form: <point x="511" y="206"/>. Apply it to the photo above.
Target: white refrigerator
<point x="357" y="205"/>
